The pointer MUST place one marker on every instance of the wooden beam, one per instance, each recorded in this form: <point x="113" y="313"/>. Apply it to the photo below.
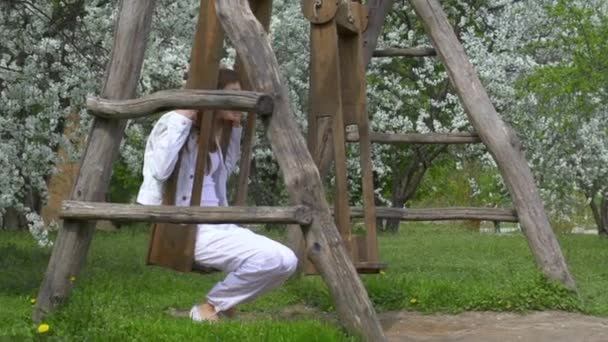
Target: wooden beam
<point x="378" y="10"/>
<point x="73" y="240"/>
<point x="180" y="99"/>
<point x="417" y="138"/>
<point x="347" y="20"/>
<point x="354" y="98"/>
<point x="326" y="121"/>
<point x="262" y="9"/>
<point x="442" y="214"/>
<point x="501" y="141"/>
<point x="175" y="214"/>
<point x="325" y="247"/>
<point x="406" y="52"/>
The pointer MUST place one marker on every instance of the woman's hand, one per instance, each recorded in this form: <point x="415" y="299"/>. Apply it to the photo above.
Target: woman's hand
<point x="232" y="116"/>
<point x="189" y="113"/>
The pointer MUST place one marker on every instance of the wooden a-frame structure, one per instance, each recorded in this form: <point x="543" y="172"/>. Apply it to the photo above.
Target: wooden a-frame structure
<point x="337" y="72"/>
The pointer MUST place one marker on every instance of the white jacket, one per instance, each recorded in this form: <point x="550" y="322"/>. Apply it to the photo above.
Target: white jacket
<point x="168" y="136"/>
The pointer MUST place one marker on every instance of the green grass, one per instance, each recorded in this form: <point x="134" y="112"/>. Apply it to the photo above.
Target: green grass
<point x="433" y="268"/>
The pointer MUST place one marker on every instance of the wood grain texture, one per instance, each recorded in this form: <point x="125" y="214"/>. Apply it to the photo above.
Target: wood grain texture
<point x="72" y="244"/>
<point x="347" y="19"/>
<point x="442" y="214"/>
<point x="262" y="9"/>
<point x="406" y="52"/>
<point x="319" y="12"/>
<point x="328" y="144"/>
<point x="180" y="99"/>
<point x="417" y="138"/>
<point x="378" y="10"/>
<point x="325" y="247"/>
<point x="174" y="214"/>
<point x="354" y="99"/>
<point x="501" y="141"/>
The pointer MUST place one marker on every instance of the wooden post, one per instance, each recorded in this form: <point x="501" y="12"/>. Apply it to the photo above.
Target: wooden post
<point x="326" y="111"/>
<point x="172" y="245"/>
<point x="325" y="247"/>
<point x="501" y="141"/>
<point x="352" y="73"/>
<point x="262" y="9"/>
<point x="203" y="73"/>
<point x="74" y="238"/>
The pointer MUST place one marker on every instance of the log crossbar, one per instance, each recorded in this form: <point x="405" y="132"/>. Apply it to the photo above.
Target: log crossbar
<point x="78" y="210"/>
<point x="405" y="52"/>
<point x="442" y="214"/>
<point x="418" y="138"/>
<point x="183" y="99"/>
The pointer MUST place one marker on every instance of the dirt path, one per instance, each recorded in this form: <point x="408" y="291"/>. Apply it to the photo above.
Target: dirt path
<point x="545" y="326"/>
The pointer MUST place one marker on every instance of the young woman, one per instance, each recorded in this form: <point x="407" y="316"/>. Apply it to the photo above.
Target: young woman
<point x="254" y="264"/>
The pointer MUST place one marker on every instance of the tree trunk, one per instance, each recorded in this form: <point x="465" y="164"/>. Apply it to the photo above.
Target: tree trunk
<point x="603" y="230"/>
<point x="600" y="214"/>
<point x="408" y="181"/>
<point x="10" y="219"/>
<point x="392" y="225"/>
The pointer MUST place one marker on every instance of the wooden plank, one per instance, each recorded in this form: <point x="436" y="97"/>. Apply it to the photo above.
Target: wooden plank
<point x="417" y="138"/>
<point x="175" y="214"/>
<point x="262" y="10"/>
<point x="406" y="52"/>
<point x="442" y="214"/>
<point x="180" y="99"/>
<point x="72" y="243"/>
<point x="352" y="73"/>
<point x="324" y="95"/>
<point x="325" y="247"/>
<point x="326" y="109"/>
<point x="501" y="141"/>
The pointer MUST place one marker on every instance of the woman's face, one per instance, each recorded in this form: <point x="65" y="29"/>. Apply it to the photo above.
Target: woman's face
<point x="230" y="115"/>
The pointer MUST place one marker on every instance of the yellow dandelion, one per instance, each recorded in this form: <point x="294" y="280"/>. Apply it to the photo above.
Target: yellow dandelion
<point x="33" y="300"/>
<point x="72" y="279"/>
<point x="414" y="300"/>
<point x="382" y="273"/>
<point x="43" y="328"/>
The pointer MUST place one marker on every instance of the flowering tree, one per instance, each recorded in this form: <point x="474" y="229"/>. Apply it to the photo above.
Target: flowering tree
<point x="46" y="70"/>
<point x="52" y="55"/>
<point x="416" y="96"/>
<point x="568" y="96"/>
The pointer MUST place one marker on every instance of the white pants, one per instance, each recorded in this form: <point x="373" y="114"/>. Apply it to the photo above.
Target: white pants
<point x="255" y="264"/>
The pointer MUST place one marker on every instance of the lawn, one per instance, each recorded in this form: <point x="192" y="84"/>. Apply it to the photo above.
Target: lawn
<point x="433" y="268"/>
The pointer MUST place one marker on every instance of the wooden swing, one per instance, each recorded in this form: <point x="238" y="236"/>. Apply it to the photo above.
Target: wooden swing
<point x="337" y="102"/>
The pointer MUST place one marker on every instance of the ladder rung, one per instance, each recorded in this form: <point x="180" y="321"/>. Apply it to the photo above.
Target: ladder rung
<point x="406" y="52"/>
<point x="78" y="210"/>
<point x="417" y="138"/>
<point x="441" y="214"/>
<point x="181" y="99"/>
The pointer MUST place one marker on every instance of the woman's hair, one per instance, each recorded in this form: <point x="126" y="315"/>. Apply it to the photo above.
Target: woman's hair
<point x="221" y="130"/>
<point x="225" y="77"/>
